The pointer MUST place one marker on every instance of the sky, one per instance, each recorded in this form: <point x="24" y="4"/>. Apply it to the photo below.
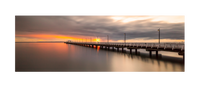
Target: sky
<point x="90" y="28"/>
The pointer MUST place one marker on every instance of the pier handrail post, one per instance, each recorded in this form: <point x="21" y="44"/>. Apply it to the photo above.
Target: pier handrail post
<point x="159" y="35"/>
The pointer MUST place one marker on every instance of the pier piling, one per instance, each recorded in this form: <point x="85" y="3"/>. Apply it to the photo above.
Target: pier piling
<point x="130" y="51"/>
<point x="150" y="53"/>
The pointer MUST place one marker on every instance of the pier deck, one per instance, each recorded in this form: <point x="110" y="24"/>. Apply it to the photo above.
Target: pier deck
<point x="179" y="48"/>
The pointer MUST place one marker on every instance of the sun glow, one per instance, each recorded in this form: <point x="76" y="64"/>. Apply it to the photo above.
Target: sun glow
<point x="44" y="37"/>
<point x="97" y="40"/>
<point x="48" y="37"/>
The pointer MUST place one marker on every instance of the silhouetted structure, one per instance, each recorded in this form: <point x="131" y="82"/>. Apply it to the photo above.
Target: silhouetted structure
<point x="151" y="47"/>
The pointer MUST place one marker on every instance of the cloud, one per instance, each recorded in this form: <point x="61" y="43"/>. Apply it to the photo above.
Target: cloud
<point x="101" y="26"/>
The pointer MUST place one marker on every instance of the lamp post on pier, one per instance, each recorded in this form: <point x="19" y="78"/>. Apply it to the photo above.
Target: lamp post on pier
<point x="159" y="35"/>
<point x="125" y="38"/>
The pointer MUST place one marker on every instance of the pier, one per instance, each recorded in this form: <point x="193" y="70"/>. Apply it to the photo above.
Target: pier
<point x="150" y="47"/>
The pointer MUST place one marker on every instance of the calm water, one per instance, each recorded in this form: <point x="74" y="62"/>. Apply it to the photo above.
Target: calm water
<point x="67" y="57"/>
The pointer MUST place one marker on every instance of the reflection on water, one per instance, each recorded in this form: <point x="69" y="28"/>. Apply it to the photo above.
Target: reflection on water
<point x="67" y="57"/>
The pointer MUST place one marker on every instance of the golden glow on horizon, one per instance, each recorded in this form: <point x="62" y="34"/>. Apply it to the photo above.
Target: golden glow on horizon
<point x="35" y="38"/>
<point x="47" y="37"/>
<point x="97" y="40"/>
<point x="44" y="37"/>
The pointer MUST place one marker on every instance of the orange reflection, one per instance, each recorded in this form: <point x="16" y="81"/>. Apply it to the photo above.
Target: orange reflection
<point x="98" y="47"/>
<point x="60" y="48"/>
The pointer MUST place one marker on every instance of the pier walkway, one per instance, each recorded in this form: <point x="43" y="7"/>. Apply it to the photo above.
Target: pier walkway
<point x="150" y="47"/>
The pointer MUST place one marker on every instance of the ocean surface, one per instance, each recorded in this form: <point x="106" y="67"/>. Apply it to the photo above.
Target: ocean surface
<point x="61" y="57"/>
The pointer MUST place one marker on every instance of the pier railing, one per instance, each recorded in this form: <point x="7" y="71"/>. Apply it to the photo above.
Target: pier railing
<point x="151" y="45"/>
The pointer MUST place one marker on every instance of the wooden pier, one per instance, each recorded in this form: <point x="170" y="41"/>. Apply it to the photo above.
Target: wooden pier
<point x="151" y="48"/>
